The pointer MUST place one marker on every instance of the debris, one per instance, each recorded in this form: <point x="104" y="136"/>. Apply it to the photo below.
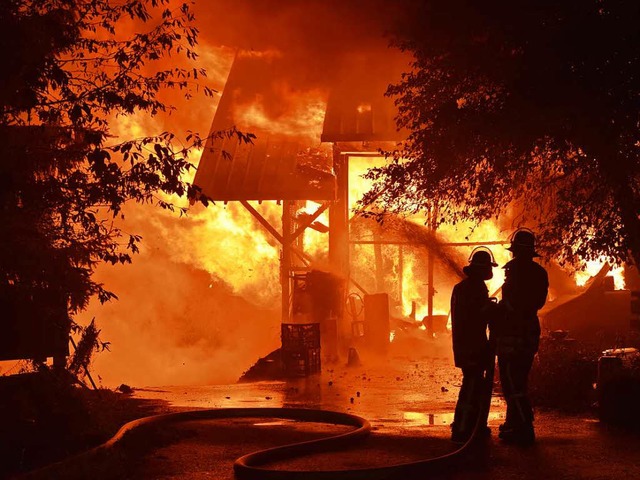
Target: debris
<point x="444" y="389"/>
<point x="266" y="368"/>
<point x="124" y="388"/>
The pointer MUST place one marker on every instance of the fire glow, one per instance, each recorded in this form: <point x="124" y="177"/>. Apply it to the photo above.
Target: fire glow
<point x="301" y="116"/>
<point x="592" y="267"/>
<point x="227" y="243"/>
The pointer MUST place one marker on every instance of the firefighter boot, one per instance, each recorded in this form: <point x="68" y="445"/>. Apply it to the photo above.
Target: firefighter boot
<point x="523" y="435"/>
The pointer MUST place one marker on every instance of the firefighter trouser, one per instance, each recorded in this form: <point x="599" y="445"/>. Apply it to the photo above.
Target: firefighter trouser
<point x="470" y="400"/>
<point x="514" y="374"/>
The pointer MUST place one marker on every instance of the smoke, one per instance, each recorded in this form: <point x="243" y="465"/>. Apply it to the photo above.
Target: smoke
<point x="196" y="306"/>
<point x="201" y="301"/>
<point x="174" y="324"/>
<point x="316" y="35"/>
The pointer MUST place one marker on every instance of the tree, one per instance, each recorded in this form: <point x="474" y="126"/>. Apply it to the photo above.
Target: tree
<point x="68" y="70"/>
<point x="530" y="105"/>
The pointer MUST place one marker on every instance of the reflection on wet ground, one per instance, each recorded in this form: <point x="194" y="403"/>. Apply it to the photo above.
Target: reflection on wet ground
<point x="394" y="394"/>
<point x="419" y="419"/>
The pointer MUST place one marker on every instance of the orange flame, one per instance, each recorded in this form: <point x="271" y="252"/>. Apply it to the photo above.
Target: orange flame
<point x="591" y="268"/>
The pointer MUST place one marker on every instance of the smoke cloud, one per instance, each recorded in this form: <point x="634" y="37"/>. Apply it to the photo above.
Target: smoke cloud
<point x="200" y="303"/>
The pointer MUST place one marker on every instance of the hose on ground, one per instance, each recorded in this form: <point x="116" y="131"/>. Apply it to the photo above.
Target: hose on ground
<point x="253" y="466"/>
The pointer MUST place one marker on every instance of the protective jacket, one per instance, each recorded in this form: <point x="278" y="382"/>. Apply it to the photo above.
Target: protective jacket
<point x="469" y="305"/>
<point x="524" y="292"/>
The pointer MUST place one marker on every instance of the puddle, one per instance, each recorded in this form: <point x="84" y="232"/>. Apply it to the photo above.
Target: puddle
<point x="420" y="419"/>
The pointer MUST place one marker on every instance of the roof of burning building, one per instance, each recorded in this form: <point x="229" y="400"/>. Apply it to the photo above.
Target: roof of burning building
<point x="290" y="117"/>
<point x="280" y="163"/>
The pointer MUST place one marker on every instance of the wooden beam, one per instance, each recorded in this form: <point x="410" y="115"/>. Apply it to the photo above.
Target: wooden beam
<point x="379" y="265"/>
<point x="339" y="217"/>
<point x="444" y="244"/>
<point x="263" y="221"/>
<point x="308" y="221"/>
<point x="358" y="286"/>
<point x="285" y="261"/>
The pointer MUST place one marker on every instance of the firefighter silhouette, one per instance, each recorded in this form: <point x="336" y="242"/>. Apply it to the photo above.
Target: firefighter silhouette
<point x="471" y="311"/>
<point x="524" y="292"/>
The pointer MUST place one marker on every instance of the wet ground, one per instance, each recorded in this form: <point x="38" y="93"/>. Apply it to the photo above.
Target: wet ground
<point x="408" y="399"/>
<point x="400" y="392"/>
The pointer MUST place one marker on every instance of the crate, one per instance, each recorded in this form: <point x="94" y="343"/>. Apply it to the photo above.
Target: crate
<point x="299" y="336"/>
<point x="301" y="363"/>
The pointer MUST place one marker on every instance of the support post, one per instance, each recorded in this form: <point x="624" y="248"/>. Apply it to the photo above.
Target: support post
<point x="285" y="260"/>
<point x="432" y="223"/>
<point x="377" y="251"/>
<point x="400" y="273"/>
<point x="339" y="216"/>
<point x="339" y="234"/>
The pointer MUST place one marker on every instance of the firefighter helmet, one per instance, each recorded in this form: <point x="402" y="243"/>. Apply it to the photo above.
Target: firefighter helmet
<point x="482" y="257"/>
<point x="523" y="240"/>
<point x="480" y="263"/>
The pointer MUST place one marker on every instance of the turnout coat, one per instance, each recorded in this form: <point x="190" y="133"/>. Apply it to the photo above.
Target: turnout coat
<point x="469" y="319"/>
<point x="524" y="292"/>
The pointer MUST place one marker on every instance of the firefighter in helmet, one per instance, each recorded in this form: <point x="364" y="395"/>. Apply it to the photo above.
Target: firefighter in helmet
<point x="524" y="292"/>
<point x="471" y="309"/>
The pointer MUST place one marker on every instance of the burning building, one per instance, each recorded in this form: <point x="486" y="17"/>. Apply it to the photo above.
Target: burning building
<point x="303" y="157"/>
<point x="309" y="81"/>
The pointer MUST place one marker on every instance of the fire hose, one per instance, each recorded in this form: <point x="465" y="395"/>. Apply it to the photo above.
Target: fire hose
<point x="252" y="465"/>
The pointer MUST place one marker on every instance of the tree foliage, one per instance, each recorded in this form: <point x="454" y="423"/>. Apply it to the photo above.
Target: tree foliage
<point x="529" y="106"/>
<point x="70" y="67"/>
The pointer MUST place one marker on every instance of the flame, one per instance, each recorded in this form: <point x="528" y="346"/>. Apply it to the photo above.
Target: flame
<point x="414" y="281"/>
<point x="215" y="239"/>
<point x="358" y="185"/>
<point x="226" y="242"/>
<point x="316" y="243"/>
<point x="487" y="231"/>
<point x="591" y="268"/>
<point x="412" y="291"/>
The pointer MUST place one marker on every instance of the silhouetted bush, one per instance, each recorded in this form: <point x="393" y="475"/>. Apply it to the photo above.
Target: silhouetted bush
<point x="563" y="375"/>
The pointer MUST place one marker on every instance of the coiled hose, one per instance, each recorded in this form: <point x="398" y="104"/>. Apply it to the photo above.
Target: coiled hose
<point x="252" y="466"/>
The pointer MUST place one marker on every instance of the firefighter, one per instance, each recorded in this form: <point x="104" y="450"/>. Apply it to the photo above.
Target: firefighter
<point x="524" y="292"/>
<point x="471" y="308"/>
